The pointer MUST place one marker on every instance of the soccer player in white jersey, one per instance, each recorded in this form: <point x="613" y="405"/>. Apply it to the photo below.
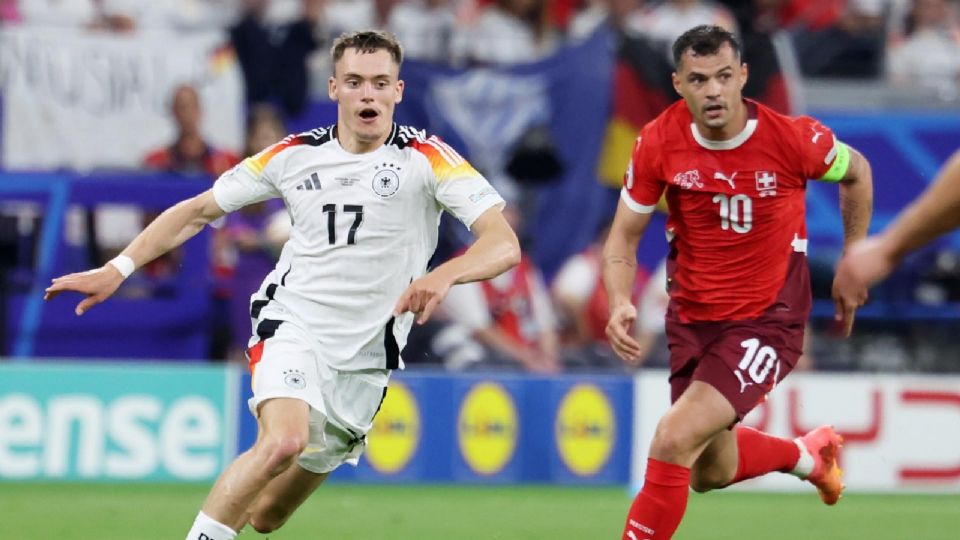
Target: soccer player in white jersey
<point x="365" y="198"/>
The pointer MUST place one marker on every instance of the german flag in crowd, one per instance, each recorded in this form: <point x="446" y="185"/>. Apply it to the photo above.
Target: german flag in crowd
<point x="641" y="90"/>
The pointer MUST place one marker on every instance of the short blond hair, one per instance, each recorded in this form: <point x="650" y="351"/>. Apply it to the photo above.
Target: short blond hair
<point x="367" y="41"/>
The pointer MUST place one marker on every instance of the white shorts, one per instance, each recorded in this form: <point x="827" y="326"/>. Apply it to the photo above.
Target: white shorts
<point x="342" y="403"/>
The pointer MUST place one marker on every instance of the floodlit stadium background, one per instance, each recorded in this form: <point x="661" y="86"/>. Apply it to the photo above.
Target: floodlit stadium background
<point x="139" y="403"/>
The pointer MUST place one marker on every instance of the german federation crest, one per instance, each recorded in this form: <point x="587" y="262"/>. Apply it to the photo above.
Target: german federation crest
<point x="386" y="181"/>
<point x="295" y="379"/>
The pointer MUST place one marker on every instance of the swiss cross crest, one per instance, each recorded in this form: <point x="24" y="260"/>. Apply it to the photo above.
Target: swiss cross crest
<point x="766" y="183"/>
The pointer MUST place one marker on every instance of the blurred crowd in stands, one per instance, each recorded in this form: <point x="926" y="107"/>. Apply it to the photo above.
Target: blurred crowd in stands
<point x="908" y="42"/>
<point x="518" y="320"/>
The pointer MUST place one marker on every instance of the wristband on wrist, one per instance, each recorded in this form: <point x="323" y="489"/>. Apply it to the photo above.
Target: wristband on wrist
<point x="123" y="264"/>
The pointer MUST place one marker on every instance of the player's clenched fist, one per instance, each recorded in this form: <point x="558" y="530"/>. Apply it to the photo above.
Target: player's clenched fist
<point x="866" y="263"/>
<point x="622" y="319"/>
<point x="423" y="296"/>
<point x="97" y="285"/>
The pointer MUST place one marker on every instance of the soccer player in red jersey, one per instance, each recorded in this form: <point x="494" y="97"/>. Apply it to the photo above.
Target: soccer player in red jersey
<point x="734" y="173"/>
<point x="934" y="213"/>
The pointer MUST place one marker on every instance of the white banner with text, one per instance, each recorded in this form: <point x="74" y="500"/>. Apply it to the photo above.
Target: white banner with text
<point x="86" y="100"/>
<point x="901" y="432"/>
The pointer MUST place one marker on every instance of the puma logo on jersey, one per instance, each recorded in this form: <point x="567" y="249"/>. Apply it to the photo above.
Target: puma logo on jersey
<point x="743" y="384"/>
<point x="816" y="134"/>
<point x="728" y="179"/>
<point x="310" y="184"/>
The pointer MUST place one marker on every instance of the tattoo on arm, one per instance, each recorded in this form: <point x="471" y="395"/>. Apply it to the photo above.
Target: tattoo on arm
<point x="616" y="259"/>
<point x="851" y="223"/>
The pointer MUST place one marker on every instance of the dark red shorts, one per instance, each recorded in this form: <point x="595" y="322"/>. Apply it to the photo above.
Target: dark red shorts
<point x="741" y="359"/>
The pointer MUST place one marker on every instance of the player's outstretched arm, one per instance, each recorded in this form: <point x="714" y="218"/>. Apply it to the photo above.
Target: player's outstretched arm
<point x="935" y="212"/>
<point x="856" y="208"/>
<point x="495" y="251"/>
<point x="173" y="227"/>
<point x="619" y="271"/>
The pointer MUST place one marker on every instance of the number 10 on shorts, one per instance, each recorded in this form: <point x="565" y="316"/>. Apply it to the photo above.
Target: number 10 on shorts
<point x="756" y="363"/>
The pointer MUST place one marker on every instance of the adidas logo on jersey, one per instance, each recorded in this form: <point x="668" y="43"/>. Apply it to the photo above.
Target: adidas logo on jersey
<point x="310" y="184"/>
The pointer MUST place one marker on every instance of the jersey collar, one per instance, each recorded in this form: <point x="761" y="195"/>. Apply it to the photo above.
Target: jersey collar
<point x="733" y="142"/>
<point x="390" y="139"/>
<point x="393" y="138"/>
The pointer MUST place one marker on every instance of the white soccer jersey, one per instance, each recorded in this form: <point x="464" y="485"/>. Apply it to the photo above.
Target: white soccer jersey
<point x="364" y="227"/>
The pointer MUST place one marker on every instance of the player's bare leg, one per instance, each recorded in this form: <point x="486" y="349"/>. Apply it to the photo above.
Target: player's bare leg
<point x="717" y="464"/>
<point x="691" y="424"/>
<point x="283" y="434"/>
<point x="282" y="496"/>
<point x="681" y="436"/>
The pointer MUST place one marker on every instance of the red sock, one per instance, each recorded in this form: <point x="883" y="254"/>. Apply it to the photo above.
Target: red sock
<point x="760" y="454"/>
<point x="657" y="510"/>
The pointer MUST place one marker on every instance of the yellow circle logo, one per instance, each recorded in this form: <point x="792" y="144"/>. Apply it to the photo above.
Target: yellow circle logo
<point x="487" y="428"/>
<point x="585" y="429"/>
<point x="395" y="435"/>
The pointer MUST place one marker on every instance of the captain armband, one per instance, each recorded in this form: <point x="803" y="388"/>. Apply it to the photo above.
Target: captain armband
<point x="841" y="163"/>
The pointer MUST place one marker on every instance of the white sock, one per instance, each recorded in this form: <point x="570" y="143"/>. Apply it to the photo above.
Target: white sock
<point x="207" y="528"/>
<point x="804" y="465"/>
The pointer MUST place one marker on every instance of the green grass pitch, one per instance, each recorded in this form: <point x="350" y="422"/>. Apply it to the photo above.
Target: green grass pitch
<point x="345" y="512"/>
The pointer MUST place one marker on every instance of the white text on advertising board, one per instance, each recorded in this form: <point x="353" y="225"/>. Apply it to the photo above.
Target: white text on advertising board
<point x="130" y="437"/>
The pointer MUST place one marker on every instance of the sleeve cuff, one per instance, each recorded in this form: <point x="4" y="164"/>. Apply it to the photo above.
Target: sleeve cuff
<point x="221" y="198"/>
<point x="634" y="205"/>
<point x="498" y="203"/>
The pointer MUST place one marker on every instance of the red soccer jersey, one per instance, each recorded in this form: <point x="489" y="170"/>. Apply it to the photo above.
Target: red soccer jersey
<point x="736" y="206"/>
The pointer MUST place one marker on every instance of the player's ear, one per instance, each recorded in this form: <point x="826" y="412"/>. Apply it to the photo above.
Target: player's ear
<point x="399" y="91"/>
<point x="675" y="78"/>
<point x="332" y="88"/>
<point x="744" y="74"/>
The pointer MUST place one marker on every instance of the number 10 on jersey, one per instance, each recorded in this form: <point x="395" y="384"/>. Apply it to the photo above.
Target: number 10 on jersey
<point x="735" y="212"/>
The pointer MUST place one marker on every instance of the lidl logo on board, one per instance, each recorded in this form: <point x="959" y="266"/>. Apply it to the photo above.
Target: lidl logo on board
<point x="487" y="428"/>
<point x="585" y="429"/>
<point x="395" y="436"/>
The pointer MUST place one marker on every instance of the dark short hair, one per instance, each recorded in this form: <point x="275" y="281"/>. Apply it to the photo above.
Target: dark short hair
<point x="704" y="40"/>
<point x="367" y="41"/>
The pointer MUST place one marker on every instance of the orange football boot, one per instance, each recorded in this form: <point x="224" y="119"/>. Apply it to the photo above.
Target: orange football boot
<point x="824" y="446"/>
